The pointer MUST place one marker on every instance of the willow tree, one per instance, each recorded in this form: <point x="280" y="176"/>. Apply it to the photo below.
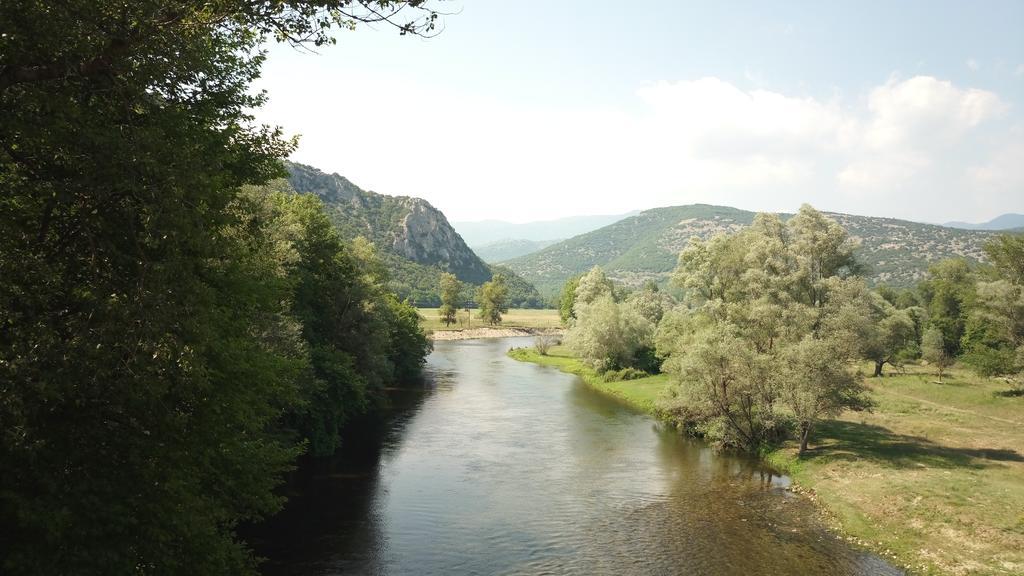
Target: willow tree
<point x="142" y="363"/>
<point x="815" y="386"/>
<point x="757" y="300"/>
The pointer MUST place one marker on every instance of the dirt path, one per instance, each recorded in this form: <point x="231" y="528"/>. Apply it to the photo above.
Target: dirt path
<point x="952" y="409"/>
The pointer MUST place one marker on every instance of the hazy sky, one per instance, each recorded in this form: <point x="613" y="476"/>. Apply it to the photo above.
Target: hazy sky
<point x="534" y="110"/>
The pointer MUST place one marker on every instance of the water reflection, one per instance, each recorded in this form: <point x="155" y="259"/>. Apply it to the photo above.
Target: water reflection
<point x="511" y="468"/>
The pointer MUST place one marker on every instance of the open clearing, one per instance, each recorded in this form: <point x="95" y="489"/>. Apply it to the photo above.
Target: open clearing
<point x="515" y="318"/>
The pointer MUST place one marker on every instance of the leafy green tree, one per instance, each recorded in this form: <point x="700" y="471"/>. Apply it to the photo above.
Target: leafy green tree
<point x="492" y="300"/>
<point x="592" y="286"/>
<point x="651" y="303"/>
<point x="814" y="386"/>
<point x="1006" y="251"/>
<point x="995" y="328"/>
<point x="567" y="300"/>
<point x="148" y="348"/>
<point x="451" y="298"/>
<point x="933" y="350"/>
<point x="608" y="334"/>
<point x="754" y="300"/>
<point x="867" y="326"/>
<point x="949" y="293"/>
<point x="727" y="389"/>
<point x="360" y="337"/>
<point x="822" y="249"/>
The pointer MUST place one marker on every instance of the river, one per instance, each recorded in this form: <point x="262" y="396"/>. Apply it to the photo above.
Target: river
<point x="502" y="467"/>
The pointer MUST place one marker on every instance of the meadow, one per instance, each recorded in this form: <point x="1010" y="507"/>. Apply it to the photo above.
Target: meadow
<point x="430" y="320"/>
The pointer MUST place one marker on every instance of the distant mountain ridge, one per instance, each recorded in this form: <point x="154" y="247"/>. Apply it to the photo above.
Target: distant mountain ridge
<point x="1002" y="222"/>
<point x="415" y="240"/>
<point x="508" y="249"/>
<point x="647" y="245"/>
<point x="483" y="232"/>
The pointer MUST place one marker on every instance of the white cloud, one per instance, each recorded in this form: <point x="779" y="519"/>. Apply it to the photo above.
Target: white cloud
<point x="912" y="141"/>
<point x="909" y="126"/>
<point x="973" y="64"/>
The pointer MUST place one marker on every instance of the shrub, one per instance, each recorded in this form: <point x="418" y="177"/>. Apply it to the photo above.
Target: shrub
<point x="544" y="342"/>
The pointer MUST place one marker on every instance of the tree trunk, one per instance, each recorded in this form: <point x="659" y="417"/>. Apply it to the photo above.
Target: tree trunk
<point x="878" y="368"/>
<point x="805" y="433"/>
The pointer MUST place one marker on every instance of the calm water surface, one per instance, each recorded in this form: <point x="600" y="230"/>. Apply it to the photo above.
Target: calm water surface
<point x="503" y="467"/>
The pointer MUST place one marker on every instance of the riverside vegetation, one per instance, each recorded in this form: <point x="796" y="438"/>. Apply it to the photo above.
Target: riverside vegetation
<point x="777" y="347"/>
<point x="176" y="328"/>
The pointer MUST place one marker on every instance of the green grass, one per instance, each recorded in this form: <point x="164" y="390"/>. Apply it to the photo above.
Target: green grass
<point x="933" y="477"/>
<point x="642" y="393"/>
<point x="515" y="318"/>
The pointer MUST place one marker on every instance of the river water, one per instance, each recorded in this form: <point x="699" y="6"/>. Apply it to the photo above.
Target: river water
<point x="502" y="467"/>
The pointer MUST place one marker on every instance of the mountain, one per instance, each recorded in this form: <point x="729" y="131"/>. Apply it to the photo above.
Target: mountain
<point x="647" y="245"/>
<point x="1003" y="222"/>
<point x="483" y="232"/>
<point x="509" y="248"/>
<point x="414" y="239"/>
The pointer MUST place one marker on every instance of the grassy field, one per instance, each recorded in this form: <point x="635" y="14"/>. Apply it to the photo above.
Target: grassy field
<point x="516" y="318"/>
<point x="933" y="477"/>
<point x="642" y="393"/>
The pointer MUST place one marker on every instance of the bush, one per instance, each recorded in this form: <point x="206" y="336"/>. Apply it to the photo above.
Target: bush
<point x="544" y="342"/>
<point x="623" y="374"/>
<point x="646" y="360"/>
<point x="987" y="361"/>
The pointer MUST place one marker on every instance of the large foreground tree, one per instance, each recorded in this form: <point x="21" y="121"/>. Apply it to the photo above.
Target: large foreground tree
<point x="773" y="313"/>
<point x="146" y="348"/>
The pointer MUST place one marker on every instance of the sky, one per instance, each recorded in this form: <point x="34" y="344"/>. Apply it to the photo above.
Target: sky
<point x="534" y="110"/>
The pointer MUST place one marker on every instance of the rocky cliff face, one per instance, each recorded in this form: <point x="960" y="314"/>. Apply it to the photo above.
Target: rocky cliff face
<point x="425" y="236"/>
<point x="407" y="227"/>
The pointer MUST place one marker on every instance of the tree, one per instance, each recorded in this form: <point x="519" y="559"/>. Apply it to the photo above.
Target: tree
<point x="949" y="293"/>
<point x="592" y="286"/>
<point x="492" y="300"/>
<point x="148" y="349"/>
<point x="755" y="301"/>
<point x="607" y="334"/>
<point x="933" y="349"/>
<point x="866" y="325"/>
<point x="822" y="250"/>
<point x="651" y="303"/>
<point x="813" y="385"/>
<point x="1006" y="251"/>
<point x="451" y="298"/>
<point x="726" y="386"/>
<point x="567" y="300"/>
<point x="995" y="328"/>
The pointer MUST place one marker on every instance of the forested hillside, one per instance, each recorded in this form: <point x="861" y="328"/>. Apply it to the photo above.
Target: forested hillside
<point x="415" y="240"/>
<point x="646" y="246"/>
<point x="503" y="250"/>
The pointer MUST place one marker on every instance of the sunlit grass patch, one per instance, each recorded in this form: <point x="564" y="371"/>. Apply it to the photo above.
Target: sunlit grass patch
<point x="641" y="393"/>
<point x="516" y="318"/>
<point x="934" y="475"/>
